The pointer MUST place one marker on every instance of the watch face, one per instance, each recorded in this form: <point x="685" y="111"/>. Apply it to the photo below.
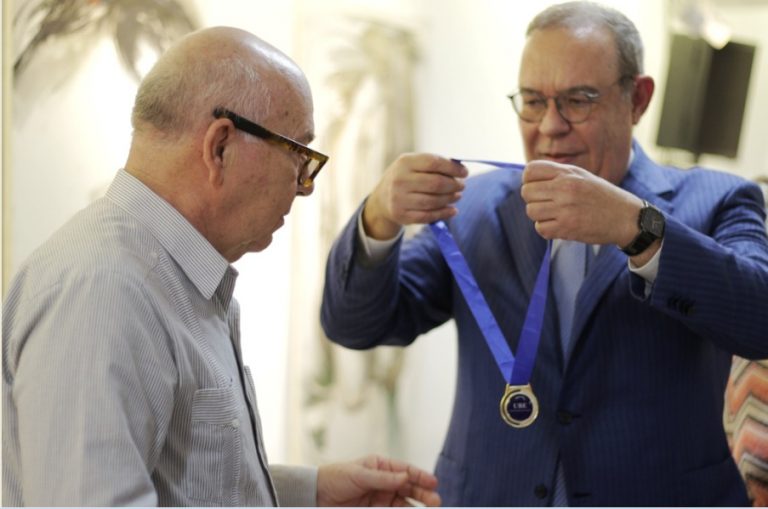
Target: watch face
<point x="652" y="221"/>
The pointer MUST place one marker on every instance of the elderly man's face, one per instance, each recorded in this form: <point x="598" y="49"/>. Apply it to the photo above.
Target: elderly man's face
<point x="558" y="60"/>
<point x="265" y="174"/>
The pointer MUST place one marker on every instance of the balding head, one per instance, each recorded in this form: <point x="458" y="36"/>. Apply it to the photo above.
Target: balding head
<point x="218" y="66"/>
<point x="232" y="186"/>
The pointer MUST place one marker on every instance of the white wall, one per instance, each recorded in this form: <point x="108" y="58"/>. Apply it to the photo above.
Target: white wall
<point x="67" y="143"/>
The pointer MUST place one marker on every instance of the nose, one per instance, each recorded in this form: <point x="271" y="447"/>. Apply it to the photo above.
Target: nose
<point x="553" y="123"/>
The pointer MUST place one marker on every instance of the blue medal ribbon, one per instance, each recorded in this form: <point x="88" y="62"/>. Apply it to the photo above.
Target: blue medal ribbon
<point x="515" y="370"/>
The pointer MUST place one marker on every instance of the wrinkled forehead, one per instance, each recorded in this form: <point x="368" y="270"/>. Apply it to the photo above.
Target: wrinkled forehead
<point x="560" y="58"/>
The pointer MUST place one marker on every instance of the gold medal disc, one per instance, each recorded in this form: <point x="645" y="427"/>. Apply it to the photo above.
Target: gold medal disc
<point x="519" y="407"/>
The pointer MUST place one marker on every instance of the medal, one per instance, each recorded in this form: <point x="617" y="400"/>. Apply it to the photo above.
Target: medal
<point x="519" y="407"/>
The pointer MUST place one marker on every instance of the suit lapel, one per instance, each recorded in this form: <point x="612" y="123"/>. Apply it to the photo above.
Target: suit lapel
<point x="526" y="246"/>
<point x="606" y="267"/>
<point x="527" y="249"/>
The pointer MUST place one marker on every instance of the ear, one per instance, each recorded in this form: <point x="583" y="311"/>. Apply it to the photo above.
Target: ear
<point x="641" y="96"/>
<point x="218" y="135"/>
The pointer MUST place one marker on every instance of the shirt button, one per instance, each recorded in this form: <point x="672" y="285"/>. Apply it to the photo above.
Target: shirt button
<point x="235" y="423"/>
<point x="564" y="417"/>
<point x="541" y="491"/>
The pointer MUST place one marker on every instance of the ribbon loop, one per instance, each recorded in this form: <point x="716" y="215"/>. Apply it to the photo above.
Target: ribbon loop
<point x="515" y="370"/>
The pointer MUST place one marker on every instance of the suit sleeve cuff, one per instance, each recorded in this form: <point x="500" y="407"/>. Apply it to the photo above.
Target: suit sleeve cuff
<point x="296" y="486"/>
<point x="371" y="251"/>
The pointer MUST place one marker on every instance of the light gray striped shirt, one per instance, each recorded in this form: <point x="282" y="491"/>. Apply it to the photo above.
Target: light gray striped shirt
<point x="122" y="375"/>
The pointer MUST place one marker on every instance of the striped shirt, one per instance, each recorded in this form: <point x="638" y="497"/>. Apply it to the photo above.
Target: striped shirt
<point x="123" y="381"/>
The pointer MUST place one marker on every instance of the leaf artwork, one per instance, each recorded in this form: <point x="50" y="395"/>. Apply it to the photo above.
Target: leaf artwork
<point x="133" y="24"/>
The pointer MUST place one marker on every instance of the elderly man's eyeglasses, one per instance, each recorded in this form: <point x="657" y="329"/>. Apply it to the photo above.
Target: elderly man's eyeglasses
<point x="313" y="160"/>
<point x="574" y="105"/>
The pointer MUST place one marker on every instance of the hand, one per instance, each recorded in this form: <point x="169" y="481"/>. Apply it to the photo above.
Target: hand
<point x="375" y="481"/>
<point x="415" y="189"/>
<point x="568" y="202"/>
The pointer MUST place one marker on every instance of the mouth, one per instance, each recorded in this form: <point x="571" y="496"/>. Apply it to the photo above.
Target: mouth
<point x="559" y="157"/>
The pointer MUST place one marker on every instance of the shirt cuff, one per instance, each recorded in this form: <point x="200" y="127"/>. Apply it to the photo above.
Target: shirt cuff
<point x="649" y="271"/>
<point x="373" y="251"/>
<point x="296" y="486"/>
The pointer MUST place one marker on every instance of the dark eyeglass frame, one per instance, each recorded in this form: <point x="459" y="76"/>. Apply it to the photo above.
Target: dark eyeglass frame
<point x="589" y="95"/>
<point x="315" y="160"/>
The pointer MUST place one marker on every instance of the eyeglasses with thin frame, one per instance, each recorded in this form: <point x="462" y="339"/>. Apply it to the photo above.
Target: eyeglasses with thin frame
<point x="313" y="160"/>
<point x="574" y="105"/>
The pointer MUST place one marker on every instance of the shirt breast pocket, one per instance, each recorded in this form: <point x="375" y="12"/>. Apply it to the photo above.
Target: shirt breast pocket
<point x="213" y="463"/>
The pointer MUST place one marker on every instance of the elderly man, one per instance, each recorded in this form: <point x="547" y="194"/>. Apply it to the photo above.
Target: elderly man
<point x="619" y="396"/>
<point x="123" y="381"/>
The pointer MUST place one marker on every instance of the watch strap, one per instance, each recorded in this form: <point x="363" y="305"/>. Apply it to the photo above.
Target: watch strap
<point x="643" y="239"/>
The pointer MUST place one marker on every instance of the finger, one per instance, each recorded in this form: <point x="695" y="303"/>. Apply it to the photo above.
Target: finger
<point x="539" y="170"/>
<point x="426" y="201"/>
<point x="542" y="211"/>
<point x="387" y="464"/>
<point x="427" y="497"/>
<point x="414" y="208"/>
<point x="551" y="229"/>
<point x="430" y="163"/>
<point x="379" y="480"/>
<point x="412" y="502"/>
<point x="567" y="189"/>
<point x="449" y="168"/>
<point x="432" y="183"/>
<point x="419" y="486"/>
<point x="417" y="477"/>
<point x="419" y="496"/>
<point x="537" y="191"/>
<point x="421" y="478"/>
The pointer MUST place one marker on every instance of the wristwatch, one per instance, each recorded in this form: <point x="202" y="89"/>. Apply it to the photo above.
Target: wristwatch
<point x="651" y="223"/>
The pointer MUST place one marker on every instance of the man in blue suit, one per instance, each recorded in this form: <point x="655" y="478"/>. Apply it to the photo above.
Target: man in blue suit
<point x="630" y="393"/>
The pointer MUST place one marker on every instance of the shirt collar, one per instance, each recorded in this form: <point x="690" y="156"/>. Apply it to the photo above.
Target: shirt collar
<point x="197" y="258"/>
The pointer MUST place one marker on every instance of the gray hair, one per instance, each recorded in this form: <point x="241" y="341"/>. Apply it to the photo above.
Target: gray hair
<point x="181" y="90"/>
<point x="579" y="14"/>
